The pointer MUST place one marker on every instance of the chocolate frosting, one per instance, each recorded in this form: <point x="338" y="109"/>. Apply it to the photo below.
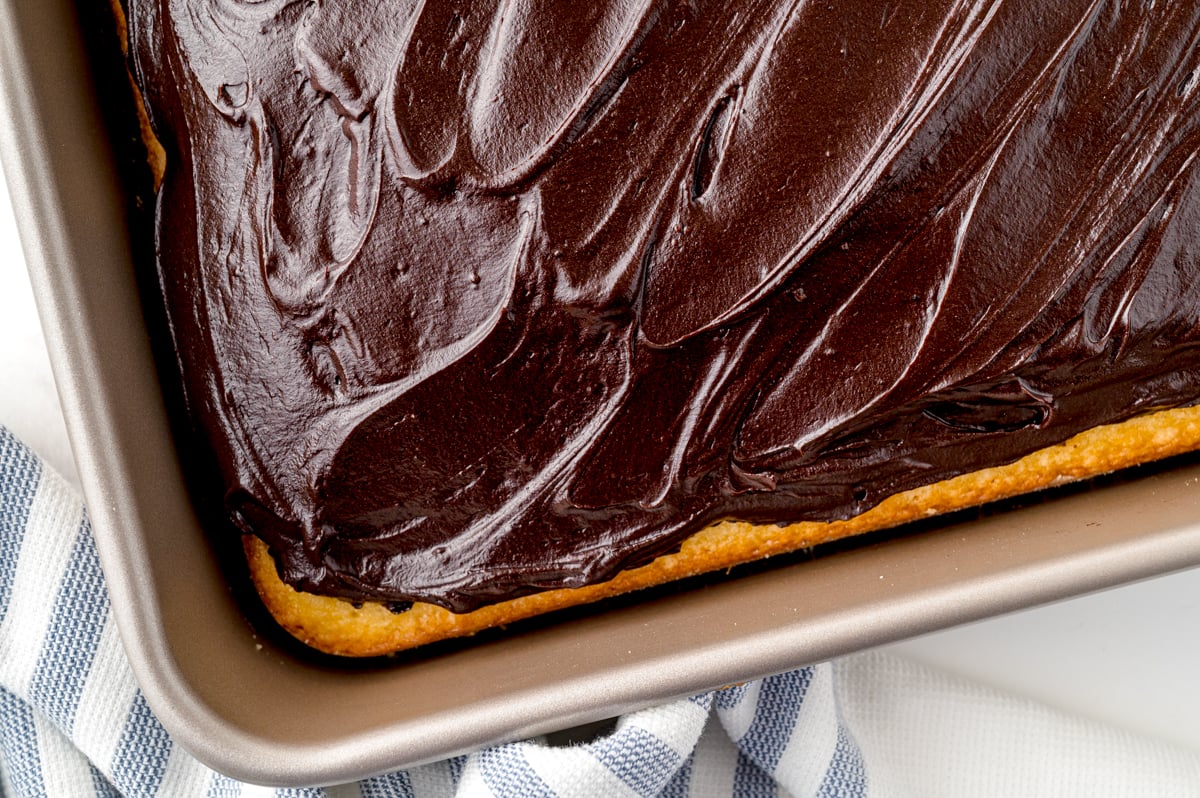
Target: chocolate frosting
<point x="475" y="299"/>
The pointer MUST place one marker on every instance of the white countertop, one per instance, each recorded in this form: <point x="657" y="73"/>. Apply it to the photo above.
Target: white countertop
<point x="1129" y="656"/>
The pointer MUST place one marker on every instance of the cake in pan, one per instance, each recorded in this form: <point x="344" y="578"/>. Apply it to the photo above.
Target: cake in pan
<point x="492" y="308"/>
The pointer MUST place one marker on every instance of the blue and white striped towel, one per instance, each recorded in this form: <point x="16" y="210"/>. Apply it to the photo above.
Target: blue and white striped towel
<point x="73" y="722"/>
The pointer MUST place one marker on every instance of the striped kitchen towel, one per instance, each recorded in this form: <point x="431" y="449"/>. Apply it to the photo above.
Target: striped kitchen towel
<point x="73" y="722"/>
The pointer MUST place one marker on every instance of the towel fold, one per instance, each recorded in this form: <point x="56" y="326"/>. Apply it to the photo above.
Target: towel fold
<point x="74" y="723"/>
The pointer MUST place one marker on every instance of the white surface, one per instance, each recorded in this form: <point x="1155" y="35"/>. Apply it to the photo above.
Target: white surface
<point x="1129" y="657"/>
<point x="28" y="400"/>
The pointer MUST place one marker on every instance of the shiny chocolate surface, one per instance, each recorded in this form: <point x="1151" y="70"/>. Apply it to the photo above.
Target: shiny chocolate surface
<point x="476" y="299"/>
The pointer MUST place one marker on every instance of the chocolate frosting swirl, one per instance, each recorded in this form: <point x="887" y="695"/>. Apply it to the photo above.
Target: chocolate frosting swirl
<point x="475" y="298"/>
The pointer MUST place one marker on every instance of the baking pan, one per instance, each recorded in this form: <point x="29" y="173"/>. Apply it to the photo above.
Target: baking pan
<point x="249" y="706"/>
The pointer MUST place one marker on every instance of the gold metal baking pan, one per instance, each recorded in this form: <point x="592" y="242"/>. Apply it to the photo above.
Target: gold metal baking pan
<point x="251" y="707"/>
